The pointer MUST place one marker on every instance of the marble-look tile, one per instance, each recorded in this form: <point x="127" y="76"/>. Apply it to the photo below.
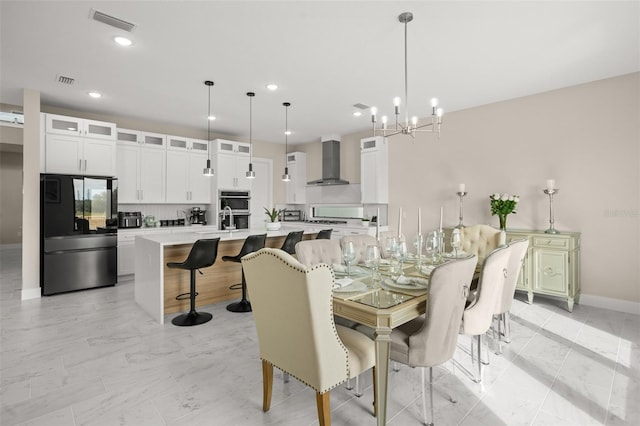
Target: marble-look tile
<point x="583" y="405"/>
<point x="15" y="392"/>
<point x="62" y="417"/>
<point x="53" y="401"/>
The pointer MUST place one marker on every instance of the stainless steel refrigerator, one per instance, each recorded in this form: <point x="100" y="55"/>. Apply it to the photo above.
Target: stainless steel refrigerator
<point x="78" y="229"/>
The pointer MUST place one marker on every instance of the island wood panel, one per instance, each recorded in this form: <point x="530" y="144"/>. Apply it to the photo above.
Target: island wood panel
<point x="213" y="285"/>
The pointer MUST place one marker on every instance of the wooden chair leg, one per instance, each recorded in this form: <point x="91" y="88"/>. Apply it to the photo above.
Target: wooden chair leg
<point x="324" y="408"/>
<point x="267" y="385"/>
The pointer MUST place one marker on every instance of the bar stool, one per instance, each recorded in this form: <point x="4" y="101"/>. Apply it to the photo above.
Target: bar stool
<point x="324" y="234"/>
<point x="290" y="242"/>
<point x="251" y="244"/>
<point x="203" y="254"/>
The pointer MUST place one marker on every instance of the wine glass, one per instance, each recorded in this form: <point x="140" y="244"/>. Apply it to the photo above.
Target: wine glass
<point x="390" y="245"/>
<point x="348" y="254"/>
<point x="433" y="246"/>
<point x="399" y="255"/>
<point x="418" y="243"/>
<point x="456" y="241"/>
<point x="372" y="261"/>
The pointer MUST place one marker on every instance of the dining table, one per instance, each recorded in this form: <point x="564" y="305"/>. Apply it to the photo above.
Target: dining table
<point x="382" y="304"/>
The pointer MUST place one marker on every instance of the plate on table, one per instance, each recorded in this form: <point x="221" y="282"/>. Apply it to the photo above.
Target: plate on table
<point x="354" y="286"/>
<point x="341" y="270"/>
<point x="452" y="255"/>
<point x="408" y="283"/>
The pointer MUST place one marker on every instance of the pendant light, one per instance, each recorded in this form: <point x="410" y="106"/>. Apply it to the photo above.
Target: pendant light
<point x="250" y="173"/>
<point x="208" y="171"/>
<point x="285" y="176"/>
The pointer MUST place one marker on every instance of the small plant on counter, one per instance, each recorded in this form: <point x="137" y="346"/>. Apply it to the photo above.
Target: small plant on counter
<point x="273" y="213"/>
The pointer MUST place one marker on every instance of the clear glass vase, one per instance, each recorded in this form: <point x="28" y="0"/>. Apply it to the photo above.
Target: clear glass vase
<point x="503" y="222"/>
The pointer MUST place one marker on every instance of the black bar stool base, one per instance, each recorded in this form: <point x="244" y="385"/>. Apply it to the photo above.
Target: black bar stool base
<point x="241" y="306"/>
<point x="192" y="318"/>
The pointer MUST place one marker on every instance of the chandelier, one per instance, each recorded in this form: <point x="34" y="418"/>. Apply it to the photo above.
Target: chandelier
<point x="407" y="126"/>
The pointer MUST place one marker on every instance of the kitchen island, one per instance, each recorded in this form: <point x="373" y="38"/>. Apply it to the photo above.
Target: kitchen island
<point x="157" y="286"/>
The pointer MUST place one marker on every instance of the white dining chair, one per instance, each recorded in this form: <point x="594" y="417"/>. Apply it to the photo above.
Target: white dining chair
<point x="518" y="251"/>
<point x="478" y="316"/>
<point x="300" y="337"/>
<point x="430" y="340"/>
<point x="479" y="240"/>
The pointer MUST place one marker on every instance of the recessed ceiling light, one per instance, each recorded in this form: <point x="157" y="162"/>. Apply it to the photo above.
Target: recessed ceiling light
<point x="95" y="95"/>
<point x="272" y="86"/>
<point x="357" y="113"/>
<point x="211" y="117"/>
<point x="288" y="132"/>
<point x="122" y="41"/>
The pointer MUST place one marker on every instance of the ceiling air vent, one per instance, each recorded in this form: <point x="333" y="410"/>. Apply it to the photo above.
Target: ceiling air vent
<point x="65" y="80"/>
<point x="111" y="20"/>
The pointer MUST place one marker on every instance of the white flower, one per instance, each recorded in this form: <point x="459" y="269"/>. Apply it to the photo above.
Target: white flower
<point x="516" y="199"/>
<point x="511" y="198"/>
<point x="504" y="197"/>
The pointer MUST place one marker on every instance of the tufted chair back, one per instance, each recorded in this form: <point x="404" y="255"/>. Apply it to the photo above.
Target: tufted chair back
<point x="479" y="240"/>
<point x="312" y="252"/>
<point x="360" y="243"/>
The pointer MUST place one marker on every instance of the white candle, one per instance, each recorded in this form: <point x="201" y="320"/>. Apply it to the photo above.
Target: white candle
<point x="551" y="184"/>
<point x="461" y="187"/>
<point x="419" y="221"/>
<point x="400" y="222"/>
<point x="378" y="223"/>
<point x="441" y="211"/>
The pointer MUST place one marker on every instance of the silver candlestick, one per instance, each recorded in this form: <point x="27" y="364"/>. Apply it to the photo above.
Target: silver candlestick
<point x="550" y="193"/>
<point x="461" y="194"/>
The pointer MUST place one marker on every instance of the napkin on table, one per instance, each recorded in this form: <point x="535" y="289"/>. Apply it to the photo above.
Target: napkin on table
<point x="337" y="267"/>
<point x="418" y="282"/>
<point x="342" y="282"/>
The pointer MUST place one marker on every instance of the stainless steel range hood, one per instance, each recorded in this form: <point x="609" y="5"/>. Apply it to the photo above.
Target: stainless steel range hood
<point x="330" y="165"/>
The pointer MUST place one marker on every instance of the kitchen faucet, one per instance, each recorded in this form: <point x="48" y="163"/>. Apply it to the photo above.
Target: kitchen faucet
<point x="231" y="226"/>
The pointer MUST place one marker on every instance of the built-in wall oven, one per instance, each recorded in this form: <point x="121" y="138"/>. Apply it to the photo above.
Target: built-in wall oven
<point x="234" y="209"/>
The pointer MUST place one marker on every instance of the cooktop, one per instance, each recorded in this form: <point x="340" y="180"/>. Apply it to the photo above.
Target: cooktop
<point x="327" y="221"/>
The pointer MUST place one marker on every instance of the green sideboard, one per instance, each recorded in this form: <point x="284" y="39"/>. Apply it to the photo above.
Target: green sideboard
<point x="551" y="266"/>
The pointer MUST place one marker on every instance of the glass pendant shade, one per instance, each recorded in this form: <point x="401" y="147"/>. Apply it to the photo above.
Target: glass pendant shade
<point x="250" y="173"/>
<point x="208" y="171"/>
<point x="285" y="176"/>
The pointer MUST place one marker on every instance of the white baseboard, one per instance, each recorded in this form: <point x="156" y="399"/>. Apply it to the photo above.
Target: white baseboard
<point x="609" y="303"/>
<point x="30" y="293"/>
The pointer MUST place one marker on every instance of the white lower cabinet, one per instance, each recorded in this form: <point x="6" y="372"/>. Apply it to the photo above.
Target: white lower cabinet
<point x="141" y="174"/>
<point x="185" y="181"/>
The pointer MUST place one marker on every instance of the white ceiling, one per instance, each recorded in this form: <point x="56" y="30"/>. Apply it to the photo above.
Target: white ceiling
<point x="325" y="55"/>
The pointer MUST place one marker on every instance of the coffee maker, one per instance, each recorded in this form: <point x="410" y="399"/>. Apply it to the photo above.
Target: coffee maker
<point x="198" y="216"/>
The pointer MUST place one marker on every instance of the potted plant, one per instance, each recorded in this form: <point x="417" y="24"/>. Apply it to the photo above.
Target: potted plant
<point x="273" y="224"/>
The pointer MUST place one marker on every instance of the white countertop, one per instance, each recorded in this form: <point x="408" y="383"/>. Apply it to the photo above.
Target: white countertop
<point x="176" y="238"/>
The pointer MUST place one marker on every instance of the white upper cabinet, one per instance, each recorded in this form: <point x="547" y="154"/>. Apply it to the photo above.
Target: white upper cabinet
<point x="148" y="139"/>
<point x="141" y="174"/>
<point x="179" y="143"/>
<point x="185" y="181"/>
<point x="72" y="126"/>
<point x="231" y="162"/>
<point x="78" y="146"/>
<point x="374" y="170"/>
<point x="296" y="189"/>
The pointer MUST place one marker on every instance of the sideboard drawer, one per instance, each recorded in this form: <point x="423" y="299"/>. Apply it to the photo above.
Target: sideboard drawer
<point x="551" y="242"/>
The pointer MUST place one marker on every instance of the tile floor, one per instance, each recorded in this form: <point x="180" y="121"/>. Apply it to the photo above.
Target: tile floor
<point x="93" y="358"/>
